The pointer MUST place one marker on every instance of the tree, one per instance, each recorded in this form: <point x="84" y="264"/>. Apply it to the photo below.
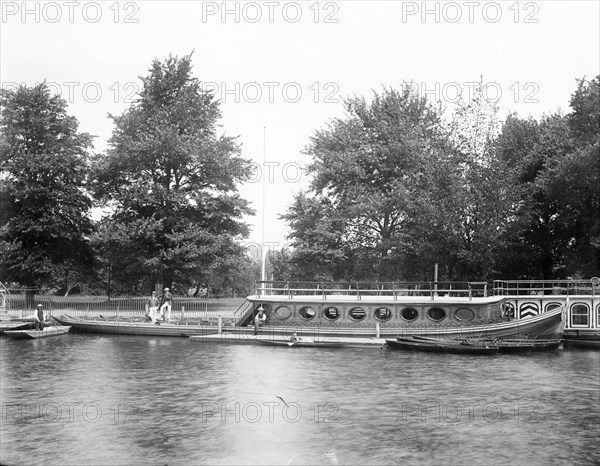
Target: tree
<point x="376" y="167"/>
<point x="555" y="232"/>
<point x="317" y="246"/>
<point x="481" y="203"/>
<point x="525" y="240"/>
<point x="571" y="183"/>
<point x="171" y="181"/>
<point x="44" y="223"/>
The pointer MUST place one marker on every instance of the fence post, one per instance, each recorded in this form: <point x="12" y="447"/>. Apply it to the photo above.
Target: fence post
<point x="220" y="324"/>
<point x="182" y="311"/>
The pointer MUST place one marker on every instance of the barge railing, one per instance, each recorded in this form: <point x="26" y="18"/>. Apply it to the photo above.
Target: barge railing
<point x="360" y="290"/>
<point x="546" y="287"/>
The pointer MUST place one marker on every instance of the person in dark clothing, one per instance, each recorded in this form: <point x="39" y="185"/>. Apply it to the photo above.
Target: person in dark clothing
<point x="39" y="318"/>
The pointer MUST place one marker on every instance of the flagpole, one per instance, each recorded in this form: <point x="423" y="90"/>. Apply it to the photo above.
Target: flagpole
<point x="264" y="190"/>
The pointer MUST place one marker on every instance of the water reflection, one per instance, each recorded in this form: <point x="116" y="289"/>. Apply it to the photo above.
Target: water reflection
<point x="89" y="399"/>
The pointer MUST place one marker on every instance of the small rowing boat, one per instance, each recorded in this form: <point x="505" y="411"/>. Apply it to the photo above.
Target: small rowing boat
<point x="541" y="345"/>
<point x="508" y="345"/>
<point x="15" y="325"/>
<point x="46" y="332"/>
<point x="442" y="346"/>
<point x="304" y="343"/>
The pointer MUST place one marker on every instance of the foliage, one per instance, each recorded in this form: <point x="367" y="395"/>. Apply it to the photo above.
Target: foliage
<point x="396" y="190"/>
<point x="318" y="248"/>
<point x="556" y="231"/>
<point x="373" y="170"/>
<point x="44" y="222"/>
<point x="478" y="206"/>
<point x="172" y="183"/>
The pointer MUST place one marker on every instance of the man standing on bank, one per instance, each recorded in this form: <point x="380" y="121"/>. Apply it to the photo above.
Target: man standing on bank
<point x="39" y="318"/>
<point x="152" y="307"/>
<point x="165" y="308"/>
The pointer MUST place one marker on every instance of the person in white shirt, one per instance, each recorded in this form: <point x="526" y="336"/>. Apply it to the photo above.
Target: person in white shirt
<point x="259" y="320"/>
<point x="165" y="308"/>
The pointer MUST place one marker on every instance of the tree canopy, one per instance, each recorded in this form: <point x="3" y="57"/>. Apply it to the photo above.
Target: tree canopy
<point x="171" y="182"/>
<point x="397" y="189"/>
<point x="44" y="207"/>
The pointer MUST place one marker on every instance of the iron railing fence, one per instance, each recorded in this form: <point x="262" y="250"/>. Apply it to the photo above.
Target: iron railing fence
<point x="16" y="305"/>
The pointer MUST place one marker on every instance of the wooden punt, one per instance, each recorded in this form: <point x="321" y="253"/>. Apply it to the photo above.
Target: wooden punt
<point x="127" y="327"/>
<point x="441" y="346"/>
<point x="46" y="332"/>
<point x="304" y="343"/>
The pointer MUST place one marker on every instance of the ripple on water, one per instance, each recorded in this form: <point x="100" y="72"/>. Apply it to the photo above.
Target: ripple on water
<point x="90" y="399"/>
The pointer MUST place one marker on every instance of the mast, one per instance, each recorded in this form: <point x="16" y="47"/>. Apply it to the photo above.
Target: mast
<point x="264" y="190"/>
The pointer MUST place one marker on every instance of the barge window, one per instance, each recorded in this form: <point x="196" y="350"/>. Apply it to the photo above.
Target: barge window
<point x="331" y="313"/>
<point x="464" y="314"/>
<point x="307" y="313"/>
<point x="408" y="313"/>
<point x="579" y="315"/>
<point x="383" y="314"/>
<point x="552" y="306"/>
<point x="436" y="313"/>
<point x="283" y="312"/>
<point x="357" y="313"/>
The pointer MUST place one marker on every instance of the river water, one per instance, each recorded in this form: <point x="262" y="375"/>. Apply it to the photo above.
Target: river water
<point x="101" y="399"/>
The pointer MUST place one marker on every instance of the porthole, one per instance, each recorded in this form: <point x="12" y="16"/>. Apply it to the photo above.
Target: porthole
<point x="357" y="313"/>
<point x="331" y="313"/>
<point x="408" y="313"/>
<point x="464" y="314"/>
<point x="283" y="312"/>
<point x="307" y="313"/>
<point x="383" y="314"/>
<point x="436" y="314"/>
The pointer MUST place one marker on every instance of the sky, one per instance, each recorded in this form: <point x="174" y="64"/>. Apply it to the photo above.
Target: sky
<point x="282" y="69"/>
